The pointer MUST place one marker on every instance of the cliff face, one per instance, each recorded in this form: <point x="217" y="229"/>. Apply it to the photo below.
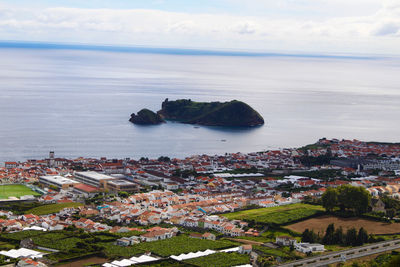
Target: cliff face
<point x="233" y="113"/>
<point x="146" y="117"/>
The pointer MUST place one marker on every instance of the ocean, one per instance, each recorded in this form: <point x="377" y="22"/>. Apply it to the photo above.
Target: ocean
<point x="77" y="100"/>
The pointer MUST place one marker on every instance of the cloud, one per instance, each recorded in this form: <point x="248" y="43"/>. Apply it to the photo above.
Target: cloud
<point x="376" y="32"/>
<point x="387" y="29"/>
<point x="245" y="27"/>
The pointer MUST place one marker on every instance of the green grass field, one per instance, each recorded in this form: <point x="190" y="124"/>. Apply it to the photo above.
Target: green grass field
<point x="15" y="190"/>
<point x="52" y="208"/>
<point x="278" y="215"/>
<point x="220" y="260"/>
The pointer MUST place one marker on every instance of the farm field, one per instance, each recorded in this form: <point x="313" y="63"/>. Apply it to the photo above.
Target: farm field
<point x="220" y="260"/>
<point x="15" y="190"/>
<point x="319" y="225"/>
<point x="172" y="246"/>
<point x="68" y="241"/>
<point x="278" y="215"/>
<point x="183" y="244"/>
<point x="52" y="208"/>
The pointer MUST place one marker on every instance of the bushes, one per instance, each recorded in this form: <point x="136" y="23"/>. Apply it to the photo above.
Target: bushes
<point x="274" y="252"/>
<point x="18" y="236"/>
<point x="376" y="216"/>
<point x="20" y="207"/>
<point x="6" y="246"/>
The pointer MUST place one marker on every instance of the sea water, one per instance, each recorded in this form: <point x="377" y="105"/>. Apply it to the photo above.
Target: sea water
<point x="77" y="101"/>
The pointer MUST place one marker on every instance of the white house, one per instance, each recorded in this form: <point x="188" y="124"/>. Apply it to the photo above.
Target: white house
<point x="128" y="241"/>
<point x="285" y="240"/>
<point x="245" y="249"/>
<point x="309" y="248"/>
<point x="159" y="234"/>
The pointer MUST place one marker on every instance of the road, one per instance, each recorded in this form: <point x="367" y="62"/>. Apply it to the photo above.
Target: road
<point x="344" y="255"/>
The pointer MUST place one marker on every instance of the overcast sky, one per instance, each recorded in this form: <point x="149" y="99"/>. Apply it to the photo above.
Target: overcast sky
<point x="317" y="26"/>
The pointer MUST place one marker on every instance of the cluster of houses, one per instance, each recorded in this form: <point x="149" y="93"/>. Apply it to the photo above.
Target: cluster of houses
<point x="51" y="222"/>
<point x="190" y="192"/>
<point x="152" y="234"/>
<point x="152" y="172"/>
<point x="355" y="148"/>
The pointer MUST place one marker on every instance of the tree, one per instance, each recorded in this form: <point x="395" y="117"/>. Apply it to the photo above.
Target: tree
<point x="309" y="236"/>
<point x="329" y="235"/>
<point x="143" y="159"/>
<point x="338" y="236"/>
<point x="351" y="237"/>
<point x="164" y="159"/>
<point x="306" y="236"/>
<point x="307" y="199"/>
<point x="390" y="203"/>
<point x="123" y="194"/>
<point x="390" y="213"/>
<point x="394" y="262"/>
<point x="345" y="197"/>
<point x="361" y="200"/>
<point x="330" y="199"/>
<point x="357" y="199"/>
<point x="362" y="237"/>
<point x="81" y="245"/>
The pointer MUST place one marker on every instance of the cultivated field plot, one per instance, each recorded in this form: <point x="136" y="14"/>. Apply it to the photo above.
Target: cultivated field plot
<point x="319" y="225"/>
<point x="167" y="247"/>
<point x="278" y="215"/>
<point x="183" y="244"/>
<point x="52" y="208"/>
<point x="220" y="260"/>
<point x="15" y="190"/>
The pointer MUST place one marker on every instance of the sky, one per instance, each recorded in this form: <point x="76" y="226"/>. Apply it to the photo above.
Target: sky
<point x="309" y="26"/>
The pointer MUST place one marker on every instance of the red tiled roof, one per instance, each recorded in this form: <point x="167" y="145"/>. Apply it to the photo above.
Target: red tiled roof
<point x="87" y="188"/>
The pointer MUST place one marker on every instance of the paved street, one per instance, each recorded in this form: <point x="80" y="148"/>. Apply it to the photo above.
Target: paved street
<point x="344" y="255"/>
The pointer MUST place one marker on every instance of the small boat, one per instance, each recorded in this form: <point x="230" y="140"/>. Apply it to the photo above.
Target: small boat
<point x="223" y="140"/>
<point x="196" y="127"/>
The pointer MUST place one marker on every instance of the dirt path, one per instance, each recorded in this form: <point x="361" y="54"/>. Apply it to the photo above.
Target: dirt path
<point x="79" y="263"/>
<point x="245" y="241"/>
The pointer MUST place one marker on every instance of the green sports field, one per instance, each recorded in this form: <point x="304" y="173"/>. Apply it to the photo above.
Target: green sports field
<point x="15" y="190"/>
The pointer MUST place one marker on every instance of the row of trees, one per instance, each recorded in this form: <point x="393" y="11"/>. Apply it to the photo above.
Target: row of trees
<point x="347" y="197"/>
<point x="333" y="236"/>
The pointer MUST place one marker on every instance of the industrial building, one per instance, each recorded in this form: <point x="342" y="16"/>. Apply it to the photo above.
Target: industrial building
<point x="93" y="178"/>
<point x="122" y="185"/>
<point x="57" y="181"/>
<point x="103" y="181"/>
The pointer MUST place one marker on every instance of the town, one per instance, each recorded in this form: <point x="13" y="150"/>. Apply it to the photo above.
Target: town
<point x="262" y="209"/>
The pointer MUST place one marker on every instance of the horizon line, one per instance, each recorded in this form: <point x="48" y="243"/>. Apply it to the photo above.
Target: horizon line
<point x="173" y="50"/>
